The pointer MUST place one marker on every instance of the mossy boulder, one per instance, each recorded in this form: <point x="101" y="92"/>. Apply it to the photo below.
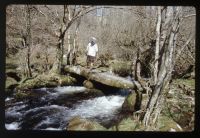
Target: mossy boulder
<point x="126" y="124"/>
<point x="13" y="74"/>
<point x="79" y="124"/>
<point x="11" y="83"/>
<point x="129" y="103"/>
<point x="51" y="80"/>
<point x="88" y="84"/>
<point x="66" y="80"/>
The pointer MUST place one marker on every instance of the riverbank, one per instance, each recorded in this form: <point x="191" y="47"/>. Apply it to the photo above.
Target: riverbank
<point x="35" y="104"/>
<point x="55" y="108"/>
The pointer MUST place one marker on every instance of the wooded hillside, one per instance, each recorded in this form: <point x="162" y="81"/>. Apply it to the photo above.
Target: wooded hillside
<point x="153" y="45"/>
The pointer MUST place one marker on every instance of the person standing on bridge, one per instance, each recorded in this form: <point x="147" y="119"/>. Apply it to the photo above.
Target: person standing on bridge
<point x="91" y="52"/>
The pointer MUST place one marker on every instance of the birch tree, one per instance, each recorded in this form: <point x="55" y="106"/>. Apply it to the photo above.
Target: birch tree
<point x="28" y="40"/>
<point x="168" y="20"/>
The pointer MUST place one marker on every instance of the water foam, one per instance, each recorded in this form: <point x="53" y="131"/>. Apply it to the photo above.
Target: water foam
<point x="8" y="99"/>
<point x="69" y="89"/>
<point x="54" y="129"/>
<point x="101" y="107"/>
<point x="12" y="126"/>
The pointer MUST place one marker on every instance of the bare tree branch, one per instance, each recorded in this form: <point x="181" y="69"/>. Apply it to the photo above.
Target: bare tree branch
<point x="181" y="50"/>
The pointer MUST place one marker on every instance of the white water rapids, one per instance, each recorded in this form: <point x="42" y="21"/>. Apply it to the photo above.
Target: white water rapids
<point x="99" y="108"/>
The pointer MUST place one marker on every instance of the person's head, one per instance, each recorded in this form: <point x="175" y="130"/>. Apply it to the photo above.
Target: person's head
<point x="92" y="43"/>
<point x="93" y="40"/>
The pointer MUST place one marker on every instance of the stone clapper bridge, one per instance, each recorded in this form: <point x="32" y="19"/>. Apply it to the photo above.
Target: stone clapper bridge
<point x="102" y="77"/>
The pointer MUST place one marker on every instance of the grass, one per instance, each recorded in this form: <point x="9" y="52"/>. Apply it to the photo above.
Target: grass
<point x="187" y="82"/>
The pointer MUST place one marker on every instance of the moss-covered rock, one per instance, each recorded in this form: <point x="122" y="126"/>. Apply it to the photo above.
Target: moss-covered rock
<point x="88" y="84"/>
<point x="13" y="74"/>
<point x="129" y="103"/>
<point x="51" y="80"/>
<point x="79" y="124"/>
<point x="66" y="80"/>
<point x="126" y="124"/>
<point x="11" y="83"/>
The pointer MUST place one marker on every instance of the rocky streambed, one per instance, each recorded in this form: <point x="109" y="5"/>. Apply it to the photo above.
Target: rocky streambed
<point x="52" y="108"/>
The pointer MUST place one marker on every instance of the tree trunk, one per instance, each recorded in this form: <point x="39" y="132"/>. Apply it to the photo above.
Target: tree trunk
<point x="59" y="53"/>
<point x="69" y="49"/>
<point x="75" y="47"/>
<point x="158" y="26"/>
<point x="28" y="41"/>
<point x="46" y="58"/>
<point x="165" y="62"/>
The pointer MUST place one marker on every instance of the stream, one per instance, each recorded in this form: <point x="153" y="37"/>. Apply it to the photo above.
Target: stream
<point x="52" y="108"/>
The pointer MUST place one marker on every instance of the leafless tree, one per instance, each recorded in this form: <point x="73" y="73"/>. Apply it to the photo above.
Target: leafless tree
<point x="168" y="22"/>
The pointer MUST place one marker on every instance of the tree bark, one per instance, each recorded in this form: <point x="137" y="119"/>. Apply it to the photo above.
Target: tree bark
<point x="166" y="64"/>
<point x="75" y="47"/>
<point x="69" y="48"/>
<point x="102" y="77"/>
<point x="158" y="27"/>
<point x="28" y="40"/>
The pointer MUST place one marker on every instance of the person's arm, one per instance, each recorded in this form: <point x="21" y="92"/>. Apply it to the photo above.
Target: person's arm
<point x="86" y="51"/>
<point x="97" y="52"/>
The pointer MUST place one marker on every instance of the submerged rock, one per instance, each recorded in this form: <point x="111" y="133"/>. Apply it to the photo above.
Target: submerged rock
<point x="95" y="92"/>
<point x="79" y="124"/>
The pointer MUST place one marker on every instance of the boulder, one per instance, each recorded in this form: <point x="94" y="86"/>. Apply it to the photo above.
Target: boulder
<point x="88" y="84"/>
<point x="126" y="124"/>
<point x="129" y="103"/>
<point x="47" y="80"/>
<point x="79" y="124"/>
<point x="66" y="80"/>
<point x="11" y="83"/>
<point x="95" y="92"/>
<point x="13" y="74"/>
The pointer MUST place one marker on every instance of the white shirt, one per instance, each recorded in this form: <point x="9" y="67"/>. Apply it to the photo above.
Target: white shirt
<point x="92" y="50"/>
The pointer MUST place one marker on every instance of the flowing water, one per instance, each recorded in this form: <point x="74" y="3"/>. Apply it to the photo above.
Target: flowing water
<point x="52" y="108"/>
